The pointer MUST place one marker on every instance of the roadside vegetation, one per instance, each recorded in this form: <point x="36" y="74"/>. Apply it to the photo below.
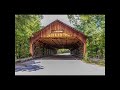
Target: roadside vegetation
<point x="25" y="26"/>
<point x="63" y="51"/>
<point x="93" y="26"/>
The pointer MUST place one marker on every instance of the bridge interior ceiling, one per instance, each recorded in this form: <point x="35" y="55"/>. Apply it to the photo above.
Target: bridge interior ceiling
<point x="58" y="43"/>
<point x="53" y="44"/>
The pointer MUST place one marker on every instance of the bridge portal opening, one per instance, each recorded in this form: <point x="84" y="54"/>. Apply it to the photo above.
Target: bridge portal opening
<point x="63" y="51"/>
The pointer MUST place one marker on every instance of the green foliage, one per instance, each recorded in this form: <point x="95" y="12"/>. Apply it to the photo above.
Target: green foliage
<point x="63" y="51"/>
<point x="25" y="25"/>
<point x="85" y="58"/>
<point x="92" y="26"/>
<point x="100" y="62"/>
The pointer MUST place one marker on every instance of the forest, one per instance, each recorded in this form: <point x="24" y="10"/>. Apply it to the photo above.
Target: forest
<point x="93" y="26"/>
<point x="25" y="25"/>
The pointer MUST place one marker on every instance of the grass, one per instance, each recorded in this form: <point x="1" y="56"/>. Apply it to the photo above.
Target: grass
<point x="99" y="62"/>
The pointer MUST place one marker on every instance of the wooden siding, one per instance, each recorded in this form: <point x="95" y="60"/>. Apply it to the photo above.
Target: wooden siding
<point x="59" y="35"/>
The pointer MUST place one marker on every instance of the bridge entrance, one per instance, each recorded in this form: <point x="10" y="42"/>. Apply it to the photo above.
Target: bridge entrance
<point x="55" y="36"/>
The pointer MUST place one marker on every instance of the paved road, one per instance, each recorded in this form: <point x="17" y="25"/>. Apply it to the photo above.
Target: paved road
<point x="65" y="56"/>
<point x="64" y="65"/>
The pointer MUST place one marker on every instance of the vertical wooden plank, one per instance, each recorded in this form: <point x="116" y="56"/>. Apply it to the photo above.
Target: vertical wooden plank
<point x="58" y="26"/>
<point x="31" y="48"/>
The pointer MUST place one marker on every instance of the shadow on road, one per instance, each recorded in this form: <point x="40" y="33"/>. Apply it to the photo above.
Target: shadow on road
<point x="27" y="66"/>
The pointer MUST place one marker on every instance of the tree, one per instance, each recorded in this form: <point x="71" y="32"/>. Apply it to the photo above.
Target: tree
<point x="94" y="27"/>
<point x="25" y="25"/>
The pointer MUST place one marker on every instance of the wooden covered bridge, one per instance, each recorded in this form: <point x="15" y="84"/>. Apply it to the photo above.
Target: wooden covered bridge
<point x="57" y="35"/>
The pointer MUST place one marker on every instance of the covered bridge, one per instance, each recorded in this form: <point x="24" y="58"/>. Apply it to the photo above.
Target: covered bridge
<point x="57" y="35"/>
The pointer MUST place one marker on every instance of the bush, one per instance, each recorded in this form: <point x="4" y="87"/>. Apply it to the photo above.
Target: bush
<point x="88" y="60"/>
<point x="101" y="62"/>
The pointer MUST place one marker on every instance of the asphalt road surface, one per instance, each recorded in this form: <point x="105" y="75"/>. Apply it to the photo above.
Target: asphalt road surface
<point x="64" y="64"/>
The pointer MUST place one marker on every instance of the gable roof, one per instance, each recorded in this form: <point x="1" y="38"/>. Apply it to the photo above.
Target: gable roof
<point x="75" y="30"/>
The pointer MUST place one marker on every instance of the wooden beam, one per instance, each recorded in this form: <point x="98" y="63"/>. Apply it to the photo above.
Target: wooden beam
<point x="45" y="44"/>
<point x="55" y="43"/>
<point x="66" y="41"/>
<point x="59" y="42"/>
<point x="62" y="44"/>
